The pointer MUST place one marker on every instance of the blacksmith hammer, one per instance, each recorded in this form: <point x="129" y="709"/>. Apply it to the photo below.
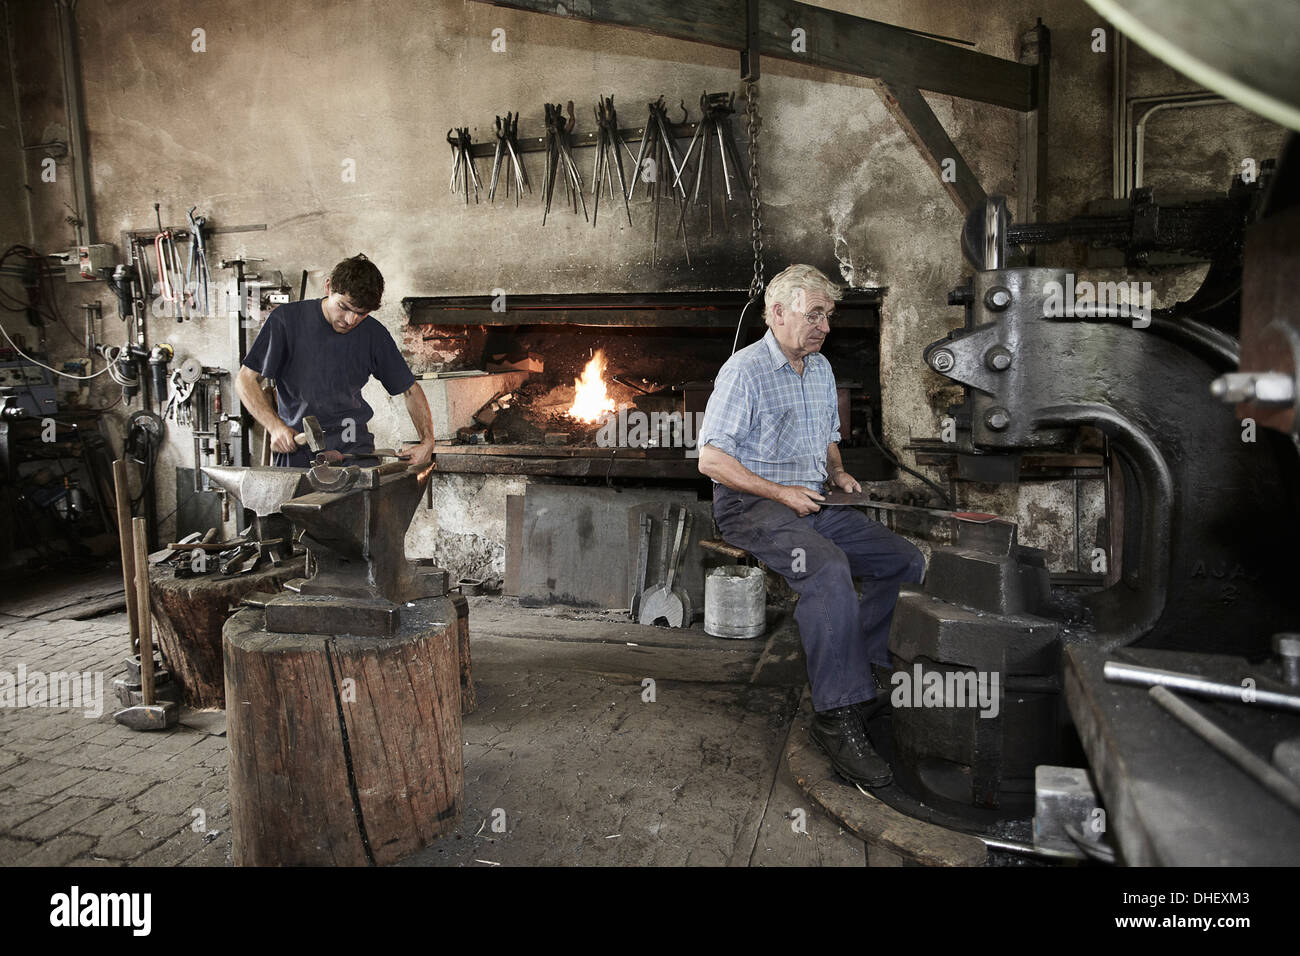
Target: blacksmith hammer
<point x="312" y="435"/>
<point x="150" y="714"/>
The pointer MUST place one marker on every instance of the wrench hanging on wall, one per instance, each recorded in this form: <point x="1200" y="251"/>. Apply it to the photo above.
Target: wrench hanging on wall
<point x="170" y="276"/>
<point x="196" y="273"/>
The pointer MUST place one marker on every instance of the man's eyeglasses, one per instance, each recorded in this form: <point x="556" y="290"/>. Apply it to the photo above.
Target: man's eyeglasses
<point x="817" y="316"/>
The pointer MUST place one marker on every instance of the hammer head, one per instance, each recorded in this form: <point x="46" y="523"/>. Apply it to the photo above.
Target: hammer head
<point x="315" y="434"/>
<point x="157" y="716"/>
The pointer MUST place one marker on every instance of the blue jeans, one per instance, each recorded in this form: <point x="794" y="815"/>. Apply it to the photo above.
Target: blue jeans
<point x="819" y="555"/>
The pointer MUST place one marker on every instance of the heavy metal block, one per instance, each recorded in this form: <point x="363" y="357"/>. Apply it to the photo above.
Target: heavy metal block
<point x="1064" y="798"/>
<point x="326" y="614"/>
<point x="1001" y="584"/>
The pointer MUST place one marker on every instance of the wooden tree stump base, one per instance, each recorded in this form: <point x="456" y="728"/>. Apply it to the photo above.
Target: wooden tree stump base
<point x="344" y="750"/>
<point x="188" y="614"/>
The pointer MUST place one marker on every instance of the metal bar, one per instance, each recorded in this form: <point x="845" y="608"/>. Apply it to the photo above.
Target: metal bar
<point x="721" y="300"/>
<point x="836" y="41"/>
<point x="927" y="134"/>
<point x="749" y="53"/>
<point x="537" y="144"/>
<point x="1263" y="773"/>
<point x="1119" y="114"/>
<point x="1140" y="129"/>
<point x="65" y="10"/>
<point x="1122" y="673"/>
<point x="1036" y="52"/>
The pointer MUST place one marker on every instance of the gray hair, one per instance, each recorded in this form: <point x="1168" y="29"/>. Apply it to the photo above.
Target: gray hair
<point x="807" y="278"/>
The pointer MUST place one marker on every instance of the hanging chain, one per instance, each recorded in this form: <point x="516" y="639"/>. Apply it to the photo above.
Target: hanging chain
<point x="755" y="205"/>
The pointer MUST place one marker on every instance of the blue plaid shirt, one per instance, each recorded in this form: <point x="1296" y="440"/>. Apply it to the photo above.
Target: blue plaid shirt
<point x="774" y="421"/>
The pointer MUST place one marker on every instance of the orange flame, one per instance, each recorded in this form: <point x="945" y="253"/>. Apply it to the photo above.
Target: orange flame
<point x="591" y="402"/>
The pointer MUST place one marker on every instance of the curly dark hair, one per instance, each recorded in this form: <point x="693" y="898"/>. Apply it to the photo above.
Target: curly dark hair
<point x="360" y="280"/>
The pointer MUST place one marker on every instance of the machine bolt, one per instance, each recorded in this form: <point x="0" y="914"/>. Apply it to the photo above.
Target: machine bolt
<point x="997" y="418"/>
<point x="998" y="358"/>
<point x="1233" y="387"/>
<point x="997" y="298"/>
<point x="942" y="361"/>
<point x="962" y="295"/>
<point x="1287" y="647"/>
<point x="1267" y="388"/>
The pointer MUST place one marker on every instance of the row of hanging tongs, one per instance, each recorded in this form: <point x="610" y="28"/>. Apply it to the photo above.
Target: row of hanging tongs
<point x="666" y="174"/>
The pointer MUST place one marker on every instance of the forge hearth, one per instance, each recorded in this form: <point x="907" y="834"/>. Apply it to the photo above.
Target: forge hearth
<point x="660" y="351"/>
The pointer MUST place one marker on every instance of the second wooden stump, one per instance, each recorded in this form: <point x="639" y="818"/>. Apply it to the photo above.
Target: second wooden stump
<point x="343" y="750"/>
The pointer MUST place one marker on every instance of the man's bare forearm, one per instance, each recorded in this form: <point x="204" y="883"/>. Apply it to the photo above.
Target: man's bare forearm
<point x="249" y="389"/>
<point x="833" y="462"/>
<point x="417" y="406"/>
<point x="721" y="467"/>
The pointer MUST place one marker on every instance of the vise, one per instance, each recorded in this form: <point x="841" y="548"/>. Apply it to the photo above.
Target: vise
<point x="354" y="523"/>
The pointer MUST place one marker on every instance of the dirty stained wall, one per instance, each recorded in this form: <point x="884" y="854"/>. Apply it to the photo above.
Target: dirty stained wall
<point x="326" y="121"/>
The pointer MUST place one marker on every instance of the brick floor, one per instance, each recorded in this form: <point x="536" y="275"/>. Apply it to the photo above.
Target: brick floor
<point x="562" y="738"/>
<point x="78" y="790"/>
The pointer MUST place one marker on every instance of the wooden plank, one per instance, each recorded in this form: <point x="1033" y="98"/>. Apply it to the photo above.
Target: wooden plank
<point x="557" y="451"/>
<point x="818" y="841"/>
<point x="835" y="41"/>
<point x="879" y="825"/>
<point x="713" y="301"/>
<point x="858" y="309"/>
<point x="87" y="609"/>
<point x="606" y="318"/>
<point x="457" y="464"/>
<point x="927" y="134"/>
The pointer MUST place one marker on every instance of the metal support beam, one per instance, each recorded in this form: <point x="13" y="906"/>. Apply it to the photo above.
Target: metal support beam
<point x="925" y="131"/>
<point x="835" y="41"/>
<point x="65" y="10"/>
<point x="1035" y="52"/>
<point x="749" y="56"/>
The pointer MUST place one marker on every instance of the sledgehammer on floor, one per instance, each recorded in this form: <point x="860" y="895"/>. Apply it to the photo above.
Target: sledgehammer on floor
<point x="150" y="714"/>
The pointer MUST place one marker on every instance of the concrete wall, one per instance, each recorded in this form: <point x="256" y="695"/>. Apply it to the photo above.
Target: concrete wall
<point x="261" y="127"/>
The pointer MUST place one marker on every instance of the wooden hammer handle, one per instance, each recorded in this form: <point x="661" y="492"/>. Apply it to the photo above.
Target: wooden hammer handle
<point x="146" y="616"/>
<point x="127" y="544"/>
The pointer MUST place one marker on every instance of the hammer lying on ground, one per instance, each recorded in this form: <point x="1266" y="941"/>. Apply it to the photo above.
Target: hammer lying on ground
<point x="313" y="436"/>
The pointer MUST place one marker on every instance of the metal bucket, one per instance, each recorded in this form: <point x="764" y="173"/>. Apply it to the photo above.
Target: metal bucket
<point x="735" y="602"/>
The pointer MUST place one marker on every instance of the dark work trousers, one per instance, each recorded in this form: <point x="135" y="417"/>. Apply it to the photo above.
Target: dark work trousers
<point x="820" y="555"/>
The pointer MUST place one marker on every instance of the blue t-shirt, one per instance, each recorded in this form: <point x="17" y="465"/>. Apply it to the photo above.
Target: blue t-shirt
<point x="321" y="372"/>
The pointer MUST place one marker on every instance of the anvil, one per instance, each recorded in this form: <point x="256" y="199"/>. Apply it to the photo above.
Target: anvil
<point x="355" y="536"/>
<point x="262" y="490"/>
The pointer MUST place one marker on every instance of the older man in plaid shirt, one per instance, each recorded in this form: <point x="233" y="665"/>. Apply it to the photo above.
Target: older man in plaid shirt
<point x="769" y="441"/>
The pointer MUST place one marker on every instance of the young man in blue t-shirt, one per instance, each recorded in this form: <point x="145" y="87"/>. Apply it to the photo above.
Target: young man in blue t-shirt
<point x="321" y="353"/>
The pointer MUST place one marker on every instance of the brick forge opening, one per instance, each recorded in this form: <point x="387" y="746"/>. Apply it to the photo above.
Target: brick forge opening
<point x="502" y="383"/>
